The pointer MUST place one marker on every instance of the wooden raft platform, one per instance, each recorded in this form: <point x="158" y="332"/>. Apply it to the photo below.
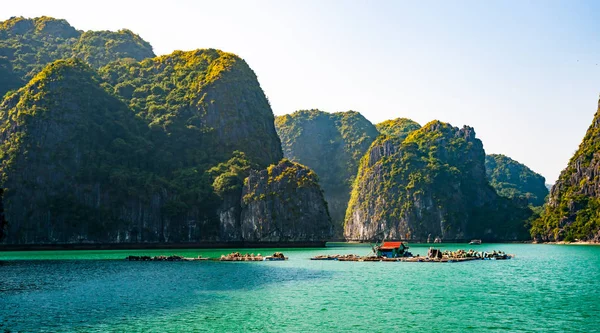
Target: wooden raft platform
<point x="433" y="255"/>
<point x="411" y="259"/>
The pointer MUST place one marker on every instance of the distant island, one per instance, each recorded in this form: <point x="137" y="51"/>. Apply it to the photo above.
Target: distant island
<point x="104" y="143"/>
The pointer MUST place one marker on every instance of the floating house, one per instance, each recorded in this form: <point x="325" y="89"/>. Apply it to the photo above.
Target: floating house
<point x="392" y="250"/>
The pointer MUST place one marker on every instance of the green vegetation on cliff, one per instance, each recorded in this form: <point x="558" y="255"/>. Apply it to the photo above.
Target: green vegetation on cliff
<point x="573" y="208"/>
<point x="200" y="106"/>
<point x="28" y="45"/>
<point x="99" y="48"/>
<point x="331" y="144"/>
<point x="399" y="127"/>
<point x="512" y="179"/>
<point x="431" y="184"/>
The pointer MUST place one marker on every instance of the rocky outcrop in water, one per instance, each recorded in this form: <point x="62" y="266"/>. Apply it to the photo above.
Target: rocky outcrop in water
<point x="572" y="208"/>
<point x="331" y="144"/>
<point x="431" y="184"/>
<point x="284" y="203"/>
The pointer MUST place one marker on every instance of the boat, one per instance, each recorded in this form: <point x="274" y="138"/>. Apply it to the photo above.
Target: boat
<point x="475" y="242"/>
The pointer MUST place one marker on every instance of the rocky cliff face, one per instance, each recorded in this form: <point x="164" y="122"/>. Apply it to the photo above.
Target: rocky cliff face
<point x="431" y="184"/>
<point x="331" y="144"/>
<point x="284" y="203"/>
<point x="28" y="45"/>
<point x="571" y="212"/>
<point x="512" y="179"/>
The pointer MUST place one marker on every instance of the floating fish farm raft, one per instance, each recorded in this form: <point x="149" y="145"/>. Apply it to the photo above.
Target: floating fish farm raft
<point x="235" y="256"/>
<point x="398" y="252"/>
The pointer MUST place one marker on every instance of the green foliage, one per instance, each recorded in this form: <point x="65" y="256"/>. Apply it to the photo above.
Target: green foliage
<point x="512" y="179"/>
<point x="28" y="45"/>
<point x="282" y="179"/>
<point x="98" y="48"/>
<point x="399" y="127"/>
<point x="229" y="176"/>
<point x="331" y="144"/>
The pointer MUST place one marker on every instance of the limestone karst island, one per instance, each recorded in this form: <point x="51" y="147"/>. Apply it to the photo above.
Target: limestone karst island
<point x="299" y="167"/>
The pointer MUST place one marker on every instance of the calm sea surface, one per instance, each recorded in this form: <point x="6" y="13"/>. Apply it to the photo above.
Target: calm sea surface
<point x="546" y="288"/>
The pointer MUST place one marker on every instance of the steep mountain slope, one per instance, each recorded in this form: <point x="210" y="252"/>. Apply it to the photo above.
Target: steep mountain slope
<point x="28" y="45"/>
<point x="331" y="144"/>
<point x="573" y="208"/>
<point x="200" y="105"/>
<point x="512" y="179"/>
<point x="431" y="184"/>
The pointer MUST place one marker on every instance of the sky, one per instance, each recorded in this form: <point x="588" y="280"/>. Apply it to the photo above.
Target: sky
<point x="524" y="74"/>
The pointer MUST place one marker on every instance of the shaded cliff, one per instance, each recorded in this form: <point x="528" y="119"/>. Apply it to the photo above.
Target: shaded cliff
<point x="512" y="179"/>
<point x="2" y="218"/>
<point x="28" y="45"/>
<point x="284" y="203"/>
<point x="331" y="144"/>
<point x="431" y="184"/>
<point x="70" y="155"/>
<point x="572" y="210"/>
<point x="399" y="127"/>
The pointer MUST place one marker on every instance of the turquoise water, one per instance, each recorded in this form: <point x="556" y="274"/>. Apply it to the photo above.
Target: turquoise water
<point x="546" y="288"/>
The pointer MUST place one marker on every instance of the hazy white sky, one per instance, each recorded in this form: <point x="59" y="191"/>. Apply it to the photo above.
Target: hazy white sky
<point x="524" y="74"/>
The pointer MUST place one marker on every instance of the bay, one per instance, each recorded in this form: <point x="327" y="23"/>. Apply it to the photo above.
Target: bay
<point x="546" y="288"/>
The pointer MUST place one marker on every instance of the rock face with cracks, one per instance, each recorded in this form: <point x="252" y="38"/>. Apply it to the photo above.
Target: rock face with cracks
<point x="284" y="203"/>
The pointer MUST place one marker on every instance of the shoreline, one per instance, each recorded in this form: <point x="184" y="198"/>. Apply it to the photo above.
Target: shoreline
<point x="159" y="246"/>
<point x="459" y="241"/>
<point x="231" y="245"/>
<point x="568" y="243"/>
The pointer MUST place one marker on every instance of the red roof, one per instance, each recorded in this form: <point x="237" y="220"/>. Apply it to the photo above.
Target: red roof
<point x="390" y="245"/>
